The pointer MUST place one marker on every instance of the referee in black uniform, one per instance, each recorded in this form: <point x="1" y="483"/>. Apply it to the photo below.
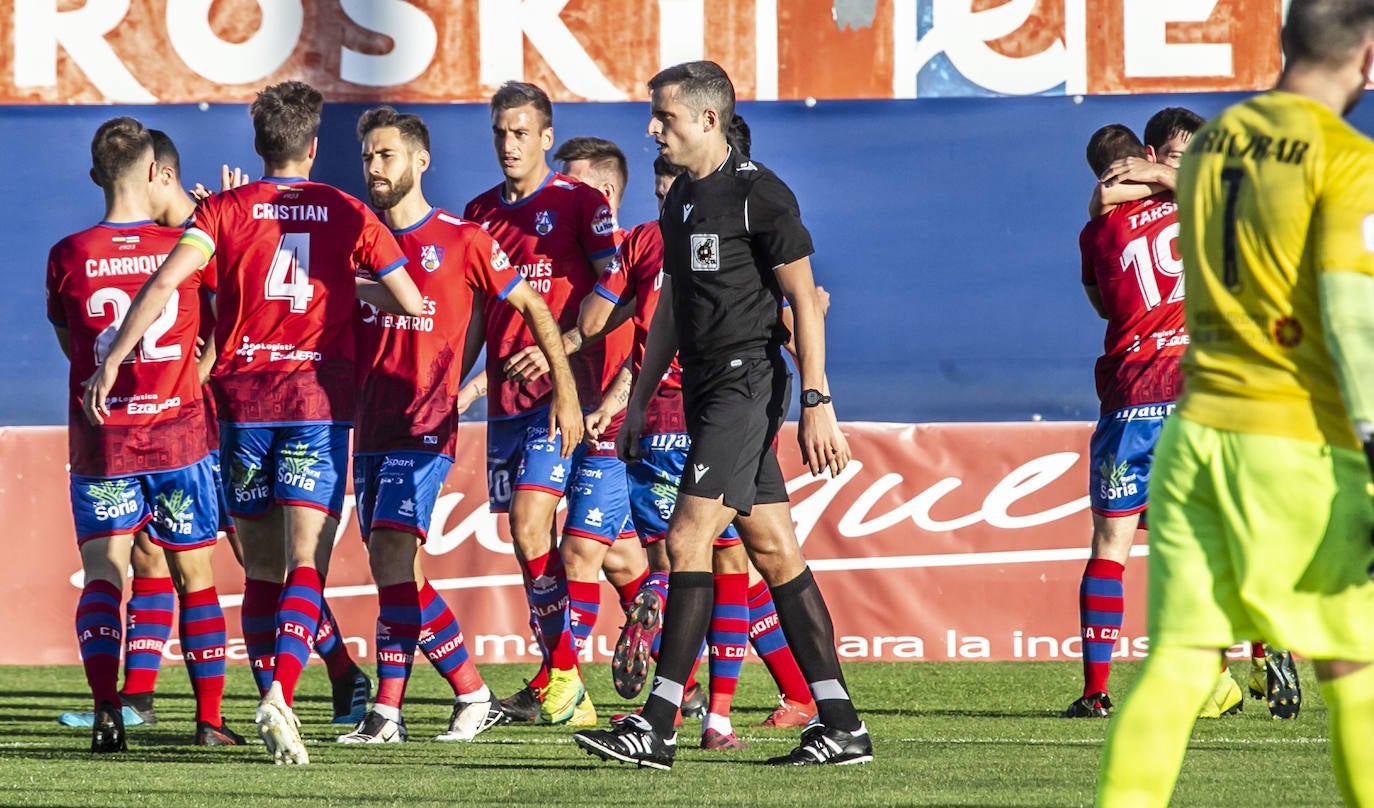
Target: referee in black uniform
<point x="734" y="248"/>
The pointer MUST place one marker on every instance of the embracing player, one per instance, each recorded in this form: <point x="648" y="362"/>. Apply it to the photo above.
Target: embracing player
<point x="290" y="254"/>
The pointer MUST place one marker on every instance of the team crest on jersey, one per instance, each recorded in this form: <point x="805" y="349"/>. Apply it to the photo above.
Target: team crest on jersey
<point x="543" y="222"/>
<point x="603" y="223"/>
<point x="431" y="255"/>
<point x="705" y="252"/>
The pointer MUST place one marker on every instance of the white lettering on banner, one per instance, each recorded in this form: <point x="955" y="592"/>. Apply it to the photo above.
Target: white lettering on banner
<point x="1147" y="51"/>
<point x="504" y="25"/>
<point x="687" y="20"/>
<point x="962" y="35"/>
<point x="39" y="28"/>
<point x="268" y="48"/>
<point x="414" y="41"/>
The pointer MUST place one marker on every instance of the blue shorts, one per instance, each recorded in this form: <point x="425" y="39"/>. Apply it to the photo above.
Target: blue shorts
<point x="226" y="524"/>
<point x="295" y="464"/>
<point x="179" y="508"/>
<point x="653" y="483"/>
<point x="521" y="456"/>
<point x="397" y="490"/>
<point x="1121" y="452"/>
<point x="599" y="501"/>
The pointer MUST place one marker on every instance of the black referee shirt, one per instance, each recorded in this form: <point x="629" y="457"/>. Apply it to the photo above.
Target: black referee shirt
<point x="723" y="235"/>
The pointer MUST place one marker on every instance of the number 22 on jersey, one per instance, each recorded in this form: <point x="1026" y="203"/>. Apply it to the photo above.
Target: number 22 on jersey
<point x="1150" y="258"/>
<point x="148" y="348"/>
<point x="289" y="276"/>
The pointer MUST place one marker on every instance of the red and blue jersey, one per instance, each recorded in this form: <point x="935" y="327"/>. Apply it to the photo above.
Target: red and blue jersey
<point x="637" y="271"/>
<point x="288" y="253"/>
<point x="409" y="367"/>
<point x="552" y="237"/>
<point x="1131" y="255"/>
<point x="156" y="420"/>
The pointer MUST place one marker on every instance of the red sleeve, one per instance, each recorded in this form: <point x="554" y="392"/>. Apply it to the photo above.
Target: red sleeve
<point x="57" y="313"/>
<point x="615" y="278"/>
<point x="377" y="252"/>
<point x="490" y="270"/>
<point x="596" y="223"/>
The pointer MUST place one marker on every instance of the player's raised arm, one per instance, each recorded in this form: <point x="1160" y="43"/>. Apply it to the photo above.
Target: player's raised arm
<point x="184" y="260"/>
<point x="822" y="444"/>
<point x="565" y="414"/>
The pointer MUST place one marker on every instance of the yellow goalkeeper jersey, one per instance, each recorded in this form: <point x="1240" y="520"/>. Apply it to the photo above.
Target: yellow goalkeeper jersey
<point x="1271" y="192"/>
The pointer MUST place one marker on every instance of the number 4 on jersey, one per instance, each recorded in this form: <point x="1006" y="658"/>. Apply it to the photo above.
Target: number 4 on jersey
<point x="289" y="276"/>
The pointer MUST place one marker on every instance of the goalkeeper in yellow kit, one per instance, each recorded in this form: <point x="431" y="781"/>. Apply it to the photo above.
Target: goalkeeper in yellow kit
<point x="1260" y="504"/>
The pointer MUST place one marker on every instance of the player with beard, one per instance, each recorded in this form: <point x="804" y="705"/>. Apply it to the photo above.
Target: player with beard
<point x="409" y="373"/>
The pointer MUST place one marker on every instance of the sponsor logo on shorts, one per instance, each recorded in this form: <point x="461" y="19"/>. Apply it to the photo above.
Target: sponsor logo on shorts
<point x="670" y="440"/>
<point x="594" y="517"/>
<point x="559" y="473"/>
<point x="398" y="462"/>
<point x="297" y="467"/>
<point x="113" y="499"/>
<point x="594" y="474"/>
<point x="705" y="252"/>
<point x="407" y="507"/>
<point x="665" y="507"/>
<point x="1144" y="412"/>
<point x="173" y="511"/>
<point x="247" y="481"/>
<point x="1116" y="482"/>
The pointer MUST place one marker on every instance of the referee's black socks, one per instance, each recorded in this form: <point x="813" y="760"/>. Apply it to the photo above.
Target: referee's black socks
<point x="686" y="617"/>
<point x="810" y="633"/>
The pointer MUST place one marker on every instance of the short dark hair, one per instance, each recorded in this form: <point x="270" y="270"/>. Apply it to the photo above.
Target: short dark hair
<point x="119" y="145"/>
<point x="604" y="157"/>
<point x="663" y="168"/>
<point x="738" y="136"/>
<point x="165" y="151"/>
<point x="1326" y="31"/>
<point x="286" y="118"/>
<point x="412" y="128"/>
<point x="702" y="85"/>
<point x="516" y="94"/>
<point x="1111" y="143"/>
<point x="1168" y="122"/>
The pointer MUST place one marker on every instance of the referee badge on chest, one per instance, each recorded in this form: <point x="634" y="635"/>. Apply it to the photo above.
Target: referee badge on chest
<point x="705" y="252"/>
<point x="543" y="222"/>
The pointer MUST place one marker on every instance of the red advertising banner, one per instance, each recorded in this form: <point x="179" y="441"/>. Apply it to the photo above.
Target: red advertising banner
<point x="939" y="542"/>
<point x="189" y="51"/>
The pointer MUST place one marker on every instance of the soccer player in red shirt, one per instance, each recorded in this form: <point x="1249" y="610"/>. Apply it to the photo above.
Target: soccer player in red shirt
<point x="409" y="371"/>
<point x="290" y="253"/>
<point x="145" y="465"/>
<point x="559" y="234"/>
<point x="1134" y="281"/>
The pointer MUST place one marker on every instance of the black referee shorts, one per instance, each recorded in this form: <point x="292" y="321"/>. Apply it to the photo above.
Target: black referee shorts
<point x="734" y="410"/>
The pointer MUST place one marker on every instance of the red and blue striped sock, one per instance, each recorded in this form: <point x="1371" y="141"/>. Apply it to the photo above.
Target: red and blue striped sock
<point x="100" y="639"/>
<point x="727" y="638"/>
<point x="330" y="646"/>
<point x="398" y="632"/>
<point x="441" y="640"/>
<point x="202" y="646"/>
<point x="258" y="618"/>
<point x="147" y="627"/>
<point x="765" y="633"/>
<point x="546" y="589"/>
<point x="1101" y="598"/>
<point x="298" y="618"/>
<point x="584" y="602"/>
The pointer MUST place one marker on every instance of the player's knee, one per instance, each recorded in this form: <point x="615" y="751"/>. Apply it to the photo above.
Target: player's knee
<point x="391" y="556"/>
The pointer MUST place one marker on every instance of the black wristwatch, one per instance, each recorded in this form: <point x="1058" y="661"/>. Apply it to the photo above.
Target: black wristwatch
<point x="813" y="398"/>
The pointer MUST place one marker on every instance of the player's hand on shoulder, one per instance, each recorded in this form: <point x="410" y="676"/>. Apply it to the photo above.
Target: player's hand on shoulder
<point x="1131" y="169"/>
<point x="823" y="446"/>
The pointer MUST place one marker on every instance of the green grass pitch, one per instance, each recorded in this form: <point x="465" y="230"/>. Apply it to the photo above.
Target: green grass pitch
<point x="945" y="734"/>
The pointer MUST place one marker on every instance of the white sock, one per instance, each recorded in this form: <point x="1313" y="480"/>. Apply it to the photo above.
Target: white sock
<point x="719" y="723"/>
<point x="387" y="711"/>
<point x="484" y="694"/>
